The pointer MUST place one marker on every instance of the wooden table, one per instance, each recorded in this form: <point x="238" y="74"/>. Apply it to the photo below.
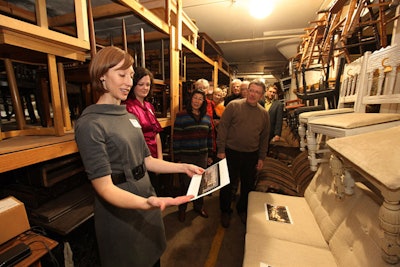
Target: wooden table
<point x="39" y="245"/>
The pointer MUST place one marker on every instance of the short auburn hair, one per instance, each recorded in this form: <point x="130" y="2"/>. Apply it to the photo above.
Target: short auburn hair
<point x="105" y="59"/>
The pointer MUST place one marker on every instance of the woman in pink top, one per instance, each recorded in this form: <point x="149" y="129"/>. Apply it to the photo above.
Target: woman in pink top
<point x="145" y="112"/>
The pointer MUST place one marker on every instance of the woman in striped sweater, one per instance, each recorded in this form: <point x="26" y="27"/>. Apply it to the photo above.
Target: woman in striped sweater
<point x="192" y="143"/>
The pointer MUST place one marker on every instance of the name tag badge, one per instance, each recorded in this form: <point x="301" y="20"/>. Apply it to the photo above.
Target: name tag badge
<point x="135" y="123"/>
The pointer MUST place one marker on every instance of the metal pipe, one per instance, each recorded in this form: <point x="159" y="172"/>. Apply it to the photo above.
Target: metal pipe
<point x="142" y="46"/>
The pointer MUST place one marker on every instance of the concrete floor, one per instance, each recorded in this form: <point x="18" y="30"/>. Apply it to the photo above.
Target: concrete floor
<point x="202" y="242"/>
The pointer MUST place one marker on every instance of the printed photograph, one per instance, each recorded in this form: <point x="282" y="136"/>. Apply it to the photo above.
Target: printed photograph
<point x="210" y="179"/>
<point x="277" y="213"/>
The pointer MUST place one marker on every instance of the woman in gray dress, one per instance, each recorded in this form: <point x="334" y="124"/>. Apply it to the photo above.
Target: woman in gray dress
<point x="127" y="213"/>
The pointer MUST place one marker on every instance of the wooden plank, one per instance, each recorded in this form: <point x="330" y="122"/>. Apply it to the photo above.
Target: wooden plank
<point x="17" y="11"/>
<point x="174" y="74"/>
<point x="41" y="14"/>
<point x="22" y="143"/>
<point x="188" y="26"/>
<point x="178" y="25"/>
<point x="70" y="221"/>
<point x="81" y="18"/>
<point x="23" y="151"/>
<point x="35" y="130"/>
<point x="55" y="96"/>
<point x="146" y="15"/>
<point x="215" y="75"/>
<point x="197" y="52"/>
<point x="43" y="34"/>
<point x="337" y="5"/>
<point x="64" y="97"/>
<point x="63" y="204"/>
<point x="164" y="122"/>
<point x="23" y="40"/>
<point x="92" y="33"/>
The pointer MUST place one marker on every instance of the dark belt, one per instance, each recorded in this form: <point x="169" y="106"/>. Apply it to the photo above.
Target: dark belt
<point x="138" y="173"/>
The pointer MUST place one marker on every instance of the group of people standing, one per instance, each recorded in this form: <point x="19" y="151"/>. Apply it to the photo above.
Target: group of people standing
<point x="120" y="146"/>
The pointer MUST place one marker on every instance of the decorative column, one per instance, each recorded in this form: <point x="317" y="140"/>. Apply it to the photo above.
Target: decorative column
<point x="389" y="218"/>
<point x="302" y="134"/>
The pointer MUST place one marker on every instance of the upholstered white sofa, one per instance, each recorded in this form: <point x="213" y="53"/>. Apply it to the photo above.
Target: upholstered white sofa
<point x="326" y="230"/>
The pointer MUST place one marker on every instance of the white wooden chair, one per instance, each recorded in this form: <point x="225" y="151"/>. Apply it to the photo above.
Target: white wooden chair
<point x="381" y="86"/>
<point x="349" y="93"/>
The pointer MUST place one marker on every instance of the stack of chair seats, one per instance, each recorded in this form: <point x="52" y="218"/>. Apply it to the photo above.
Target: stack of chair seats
<point x="277" y="176"/>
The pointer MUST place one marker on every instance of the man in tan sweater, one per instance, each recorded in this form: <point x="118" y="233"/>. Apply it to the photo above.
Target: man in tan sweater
<point x="243" y="140"/>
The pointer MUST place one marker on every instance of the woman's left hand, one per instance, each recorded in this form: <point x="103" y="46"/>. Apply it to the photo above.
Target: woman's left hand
<point x="260" y="164"/>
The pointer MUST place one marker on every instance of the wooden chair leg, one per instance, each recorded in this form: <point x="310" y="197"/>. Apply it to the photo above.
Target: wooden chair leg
<point x="15" y="97"/>
<point x="64" y="97"/>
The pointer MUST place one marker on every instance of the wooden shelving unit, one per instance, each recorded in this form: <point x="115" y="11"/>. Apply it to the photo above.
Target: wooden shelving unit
<point x="62" y="45"/>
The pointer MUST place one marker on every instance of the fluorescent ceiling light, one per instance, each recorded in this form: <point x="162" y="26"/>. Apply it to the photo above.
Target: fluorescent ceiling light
<point x="261" y="9"/>
<point x="298" y="31"/>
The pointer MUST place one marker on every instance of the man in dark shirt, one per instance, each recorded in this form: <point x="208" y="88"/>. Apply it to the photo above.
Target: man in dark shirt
<point x="275" y="110"/>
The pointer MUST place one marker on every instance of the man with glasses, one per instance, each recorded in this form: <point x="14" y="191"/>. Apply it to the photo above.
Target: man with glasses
<point x="243" y="140"/>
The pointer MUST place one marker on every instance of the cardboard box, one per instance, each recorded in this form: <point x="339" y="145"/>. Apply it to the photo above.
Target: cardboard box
<point x="13" y="219"/>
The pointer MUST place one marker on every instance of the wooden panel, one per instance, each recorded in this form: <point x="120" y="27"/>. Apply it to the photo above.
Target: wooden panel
<point x="23" y="151"/>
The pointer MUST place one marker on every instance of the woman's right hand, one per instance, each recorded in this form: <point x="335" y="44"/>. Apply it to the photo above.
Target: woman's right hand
<point x="221" y="155"/>
<point x="163" y="202"/>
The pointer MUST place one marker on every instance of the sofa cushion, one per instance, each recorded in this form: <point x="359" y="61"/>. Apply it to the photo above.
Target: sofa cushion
<point x="303" y="230"/>
<point x="327" y="209"/>
<point x="355" y="120"/>
<point x="276" y="252"/>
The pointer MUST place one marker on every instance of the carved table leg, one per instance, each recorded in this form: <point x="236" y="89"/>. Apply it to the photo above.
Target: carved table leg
<point x="348" y="182"/>
<point x="344" y="182"/>
<point x="302" y="134"/>
<point x="337" y="173"/>
<point x="389" y="218"/>
<point x="312" y="150"/>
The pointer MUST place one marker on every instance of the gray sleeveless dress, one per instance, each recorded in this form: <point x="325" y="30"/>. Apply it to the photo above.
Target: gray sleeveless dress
<point x="111" y="142"/>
